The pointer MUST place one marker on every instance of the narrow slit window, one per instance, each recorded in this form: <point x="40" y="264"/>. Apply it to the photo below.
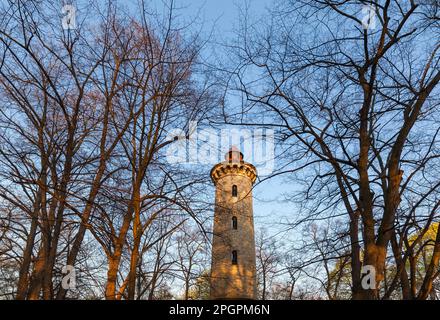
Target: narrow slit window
<point x="234" y="190"/>
<point x="234" y="257"/>
<point x="234" y="223"/>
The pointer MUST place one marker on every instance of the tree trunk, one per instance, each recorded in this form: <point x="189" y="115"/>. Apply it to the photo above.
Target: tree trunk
<point x="73" y="254"/>
<point x="23" y="280"/>
<point x="432" y="270"/>
<point x="39" y="270"/>
<point x="355" y="257"/>
<point x="137" y="233"/>
<point x="112" y="275"/>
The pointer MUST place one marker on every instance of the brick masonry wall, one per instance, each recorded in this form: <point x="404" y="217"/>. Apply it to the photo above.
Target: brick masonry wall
<point x="229" y="281"/>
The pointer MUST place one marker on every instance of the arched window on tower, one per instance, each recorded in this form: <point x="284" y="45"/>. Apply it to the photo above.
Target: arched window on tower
<point x="234" y="190"/>
<point x="234" y="223"/>
<point x="234" y="257"/>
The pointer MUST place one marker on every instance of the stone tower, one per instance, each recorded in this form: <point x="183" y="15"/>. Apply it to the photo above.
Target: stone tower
<point x="233" y="247"/>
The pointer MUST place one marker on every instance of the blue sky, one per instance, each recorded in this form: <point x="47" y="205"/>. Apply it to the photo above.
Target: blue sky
<point x="222" y="15"/>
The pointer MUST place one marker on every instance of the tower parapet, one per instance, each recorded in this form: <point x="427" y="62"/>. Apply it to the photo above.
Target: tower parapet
<point x="244" y="169"/>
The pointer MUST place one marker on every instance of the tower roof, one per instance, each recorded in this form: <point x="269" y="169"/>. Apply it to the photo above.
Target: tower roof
<point x="234" y="155"/>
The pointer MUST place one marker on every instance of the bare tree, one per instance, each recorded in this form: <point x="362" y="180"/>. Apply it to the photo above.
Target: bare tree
<point x="85" y="119"/>
<point x="356" y="109"/>
<point x="191" y="257"/>
<point x="268" y="259"/>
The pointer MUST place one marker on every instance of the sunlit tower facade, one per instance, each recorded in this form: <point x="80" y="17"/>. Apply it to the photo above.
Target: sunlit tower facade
<point x="233" y="269"/>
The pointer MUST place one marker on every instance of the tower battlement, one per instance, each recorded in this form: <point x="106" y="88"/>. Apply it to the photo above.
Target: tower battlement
<point x="227" y="168"/>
